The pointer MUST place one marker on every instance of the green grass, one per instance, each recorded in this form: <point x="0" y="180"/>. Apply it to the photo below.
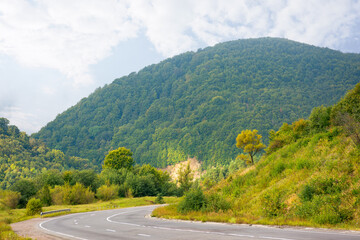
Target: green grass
<point x="270" y="192"/>
<point x="16" y="215"/>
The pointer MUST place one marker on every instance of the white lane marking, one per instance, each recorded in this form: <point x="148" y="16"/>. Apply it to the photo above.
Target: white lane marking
<point x="110" y="230"/>
<point x="170" y="229"/>
<point x="87" y="226"/>
<point x="68" y="216"/>
<point x="63" y="234"/>
<point x="92" y="214"/>
<point x="144" y="235"/>
<point x="183" y="230"/>
<point x="314" y="230"/>
<point x="276" y="238"/>
<point x="240" y="235"/>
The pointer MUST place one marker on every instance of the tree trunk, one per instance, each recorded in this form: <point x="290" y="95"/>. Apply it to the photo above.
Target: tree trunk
<point x="252" y="159"/>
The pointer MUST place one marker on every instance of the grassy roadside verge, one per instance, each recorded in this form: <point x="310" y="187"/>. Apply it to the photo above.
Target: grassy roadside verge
<point x="17" y="215"/>
<point x="170" y="212"/>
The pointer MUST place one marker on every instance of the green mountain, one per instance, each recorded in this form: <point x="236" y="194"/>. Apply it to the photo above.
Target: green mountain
<point x="25" y="157"/>
<point x="196" y="103"/>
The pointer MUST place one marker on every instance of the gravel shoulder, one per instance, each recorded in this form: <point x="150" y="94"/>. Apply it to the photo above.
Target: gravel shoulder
<point x="30" y="228"/>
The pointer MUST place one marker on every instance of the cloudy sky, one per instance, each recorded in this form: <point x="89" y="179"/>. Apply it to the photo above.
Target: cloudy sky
<point x="55" y="52"/>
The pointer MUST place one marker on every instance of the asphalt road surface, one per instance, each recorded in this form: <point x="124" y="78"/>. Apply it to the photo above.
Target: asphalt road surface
<point x="132" y="223"/>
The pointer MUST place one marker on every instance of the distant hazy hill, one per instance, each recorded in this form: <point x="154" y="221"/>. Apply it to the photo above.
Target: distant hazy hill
<point x="23" y="157"/>
<point x="195" y="104"/>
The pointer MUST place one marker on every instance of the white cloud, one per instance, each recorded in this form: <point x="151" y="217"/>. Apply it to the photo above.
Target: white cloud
<point x="176" y="26"/>
<point x="69" y="35"/>
<point x="19" y="118"/>
<point x="65" y="35"/>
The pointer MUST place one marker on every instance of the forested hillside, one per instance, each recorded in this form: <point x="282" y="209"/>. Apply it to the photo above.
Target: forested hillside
<point x="196" y="103"/>
<point x="24" y="157"/>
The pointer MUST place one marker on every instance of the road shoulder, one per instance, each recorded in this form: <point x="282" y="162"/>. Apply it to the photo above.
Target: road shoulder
<point x="30" y="228"/>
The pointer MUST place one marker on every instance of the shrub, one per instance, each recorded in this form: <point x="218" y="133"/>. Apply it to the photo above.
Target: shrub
<point x="159" y="199"/>
<point x="194" y="200"/>
<point x="33" y="207"/>
<point x="77" y="194"/>
<point x="141" y="185"/>
<point x="50" y="177"/>
<point x="44" y="195"/>
<point x="300" y="126"/>
<point x="328" y="215"/>
<point x="9" y="198"/>
<point x="321" y="203"/>
<point x="216" y="203"/>
<point x="26" y="188"/>
<point x="272" y="204"/>
<point x="304" y="163"/>
<point x="309" y="208"/>
<point x="58" y="194"/>
<point x="319" y="186"/>
<point x="320" y="117"/>
<point x="107" y="192"/>
<point x="307" y="193"/>
<point x="80" y="195"/>
<point x="277" y="169"/>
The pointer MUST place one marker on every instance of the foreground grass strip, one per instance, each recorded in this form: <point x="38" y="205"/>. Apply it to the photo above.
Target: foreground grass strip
<point x="170" y="212"/>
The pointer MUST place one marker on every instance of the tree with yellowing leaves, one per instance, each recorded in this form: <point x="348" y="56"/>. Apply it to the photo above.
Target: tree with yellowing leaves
<point x="250" y="142"/>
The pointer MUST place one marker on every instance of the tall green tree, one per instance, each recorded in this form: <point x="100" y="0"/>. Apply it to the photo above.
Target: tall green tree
<point x="26" y="188"/>
<point x="185" y="178"/>
<point x="250" y="142"/>
<point x="119" y="158"/>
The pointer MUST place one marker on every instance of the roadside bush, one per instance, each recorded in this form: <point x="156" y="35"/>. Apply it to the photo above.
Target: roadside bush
<point x="159" y="199"/>
<point x="324" y="210"/>
<point x="58" y="194"/>
<point x="80" y="195"/>
<point x="33" y="207"/>
<point x="107" y="192"/>
<point x="194" y="200"/>
<point x="44" y="195"/>
<point x="9" y="198"/>
<point x="72" y="195"/>
<point x="327" y="215"/>
<point x="216" y="203"/>
<point x="321" y="202"/>
<point x="308" y="209"/>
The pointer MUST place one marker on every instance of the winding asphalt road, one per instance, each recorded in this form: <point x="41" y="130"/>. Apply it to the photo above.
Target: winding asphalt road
<point x="132" y="223"/>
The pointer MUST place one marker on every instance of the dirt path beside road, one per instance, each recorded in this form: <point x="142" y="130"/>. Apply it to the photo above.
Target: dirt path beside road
<point x="30" y="228"/>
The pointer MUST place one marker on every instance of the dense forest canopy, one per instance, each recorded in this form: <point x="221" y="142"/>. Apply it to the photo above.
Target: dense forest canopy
<point x="196" y="103"/>
<point x="24" y="157"/>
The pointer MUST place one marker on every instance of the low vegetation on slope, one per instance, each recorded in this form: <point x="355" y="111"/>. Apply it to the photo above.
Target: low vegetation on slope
<point x="309" y="176"/>
<point x="194" y="104"/>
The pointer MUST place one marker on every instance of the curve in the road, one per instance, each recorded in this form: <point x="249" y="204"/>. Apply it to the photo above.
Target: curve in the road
<point x="131" y="223"/>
